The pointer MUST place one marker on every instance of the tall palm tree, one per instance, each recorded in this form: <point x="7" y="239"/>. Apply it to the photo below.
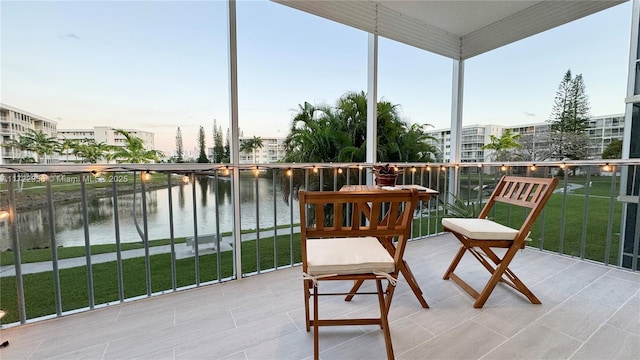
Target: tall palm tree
<point x="251" y="145"/>
<point x="133" y="150"/>
<point x="338" y="134"/>
<point x="37" y="142"/>
<point x="43" y="144"/>
<point x="503" y="145"/>
<point x="68" y="146"/>
<point x="91" y="151"/>
<point x="415" y="145"/>
<point x="22" y="144"/>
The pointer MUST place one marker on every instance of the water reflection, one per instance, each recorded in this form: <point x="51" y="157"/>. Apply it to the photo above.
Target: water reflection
<point x="33" y="226"/>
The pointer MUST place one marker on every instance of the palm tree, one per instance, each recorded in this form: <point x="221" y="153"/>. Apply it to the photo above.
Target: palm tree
<point x="22" y="144"/>
<point x="37" y="142"/>
<point x="503" y="145"/>
<point x="67" y="146"/>
<point x="91" y="151"/>
<point x="251" y="145"/>
<point x="338" y="134"/>
<point x="416" y="145"/>
<point x="316" y="135"/>
<point x="43" y="144"/>
<point x="133" y="150"/>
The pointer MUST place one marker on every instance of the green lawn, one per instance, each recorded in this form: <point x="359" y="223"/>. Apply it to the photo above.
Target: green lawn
<point x="38" y="255"/>
<point x="39" y="288"/>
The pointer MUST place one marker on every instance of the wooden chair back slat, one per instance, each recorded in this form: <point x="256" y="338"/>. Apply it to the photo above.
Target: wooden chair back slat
<point x="520" y="191"/>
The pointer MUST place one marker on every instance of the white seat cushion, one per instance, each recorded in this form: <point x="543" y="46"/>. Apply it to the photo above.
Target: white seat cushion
<point x="480" y="229"/>
<point x="361" y="255"/>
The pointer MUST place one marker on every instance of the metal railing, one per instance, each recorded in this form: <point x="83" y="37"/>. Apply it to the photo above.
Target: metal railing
<point x="78" y="237"/>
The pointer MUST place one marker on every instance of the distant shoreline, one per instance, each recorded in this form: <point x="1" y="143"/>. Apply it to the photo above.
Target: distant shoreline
<point x="29" y="200"/>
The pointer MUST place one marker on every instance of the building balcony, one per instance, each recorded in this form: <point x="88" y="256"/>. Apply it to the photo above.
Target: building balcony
<point x="588" y="311"/>
<point x="248" y="304"/>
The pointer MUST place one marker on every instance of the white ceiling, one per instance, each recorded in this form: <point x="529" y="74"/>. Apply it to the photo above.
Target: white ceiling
<point x="468" y="16"/>
<point x="455" y="29"/>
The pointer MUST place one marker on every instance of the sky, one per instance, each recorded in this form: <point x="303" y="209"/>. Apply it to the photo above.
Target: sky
<point x="160" y="65"/>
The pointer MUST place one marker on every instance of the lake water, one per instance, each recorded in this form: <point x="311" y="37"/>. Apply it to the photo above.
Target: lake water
<point x="33" y="226"/>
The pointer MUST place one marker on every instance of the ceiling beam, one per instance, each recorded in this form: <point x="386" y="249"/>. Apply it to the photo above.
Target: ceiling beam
<point x="530" y="21"/>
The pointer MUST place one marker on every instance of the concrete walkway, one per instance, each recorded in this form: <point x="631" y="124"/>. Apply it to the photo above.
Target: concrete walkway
<point x="570" y="187"/>
<point x="182" y="251"/>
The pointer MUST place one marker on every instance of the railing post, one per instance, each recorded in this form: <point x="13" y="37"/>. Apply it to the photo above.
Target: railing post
<point x="54" y="248"/>
<point x="612" y="195"/>
<point x="217" y="202"/>
<point x="87" y="242"/>
<point x="275" y="218"/>
<point x="145" y="231"/>
<point x="13" y="226"/>
<point x="257" y="222"/>
<point x="585" y="213"/>
<point x="291" y="215"/>
<point x="171" y="233"/>
<point x="116" y="225"/>
<point x="196" y="242"/>
<point x="564" y="207"/>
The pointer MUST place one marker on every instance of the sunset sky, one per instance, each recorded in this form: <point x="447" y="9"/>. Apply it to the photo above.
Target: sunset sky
<point x="157" y="65"/>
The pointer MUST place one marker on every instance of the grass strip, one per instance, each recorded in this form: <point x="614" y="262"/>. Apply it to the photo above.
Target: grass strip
<point x="39" y="287"/>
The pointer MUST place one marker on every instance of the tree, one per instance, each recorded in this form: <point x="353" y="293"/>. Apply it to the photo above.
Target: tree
<point x="202" y="158"/>
<point x="569" y="119"/>
<point x="251" y="145"/>
<point x="179" y="151"/>
<point x="37" y="142"/>
<point x="67" y="146"/>
<point x="613" y="150"/>
<point x="22" y="144"/>
<point x="503" y="146"/>
<point x="338" y="134"/>
<point x="218" y="146"/>
<point x="133" y="151"/>
<point x="534" y="147"/>
<point x="227" y="148"/>
<point x="91" y="151"/>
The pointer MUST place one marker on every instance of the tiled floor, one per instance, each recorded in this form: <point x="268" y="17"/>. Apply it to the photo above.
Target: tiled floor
<point x="588" y="312"/>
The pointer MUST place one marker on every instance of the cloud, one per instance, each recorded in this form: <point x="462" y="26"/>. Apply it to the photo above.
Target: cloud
<point x="528" y="114"/>
<point x="71" y="36"/>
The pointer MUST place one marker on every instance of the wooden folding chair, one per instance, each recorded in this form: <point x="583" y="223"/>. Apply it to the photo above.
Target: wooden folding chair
<point x="342" y="234"/>
<point x="479" y="236"/>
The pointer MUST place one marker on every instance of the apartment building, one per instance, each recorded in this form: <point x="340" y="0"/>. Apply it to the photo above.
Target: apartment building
<point x="474" y="137"/>
<point x="535" y="138"/>
<point x="603" y="130"/>
<point x="15" y="122"/>
<point x="102" y="134"/>
<point x="272" y="150"/>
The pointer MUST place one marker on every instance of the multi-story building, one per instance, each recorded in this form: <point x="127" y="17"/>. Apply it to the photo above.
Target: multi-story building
<point x="15" y="122"/>
<point x="474" y="137"/>
<point x="535" y="138"/>
<point x="602" y="131"/>
<point x="102" y="134"/>
<point x="272" y="150"/>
